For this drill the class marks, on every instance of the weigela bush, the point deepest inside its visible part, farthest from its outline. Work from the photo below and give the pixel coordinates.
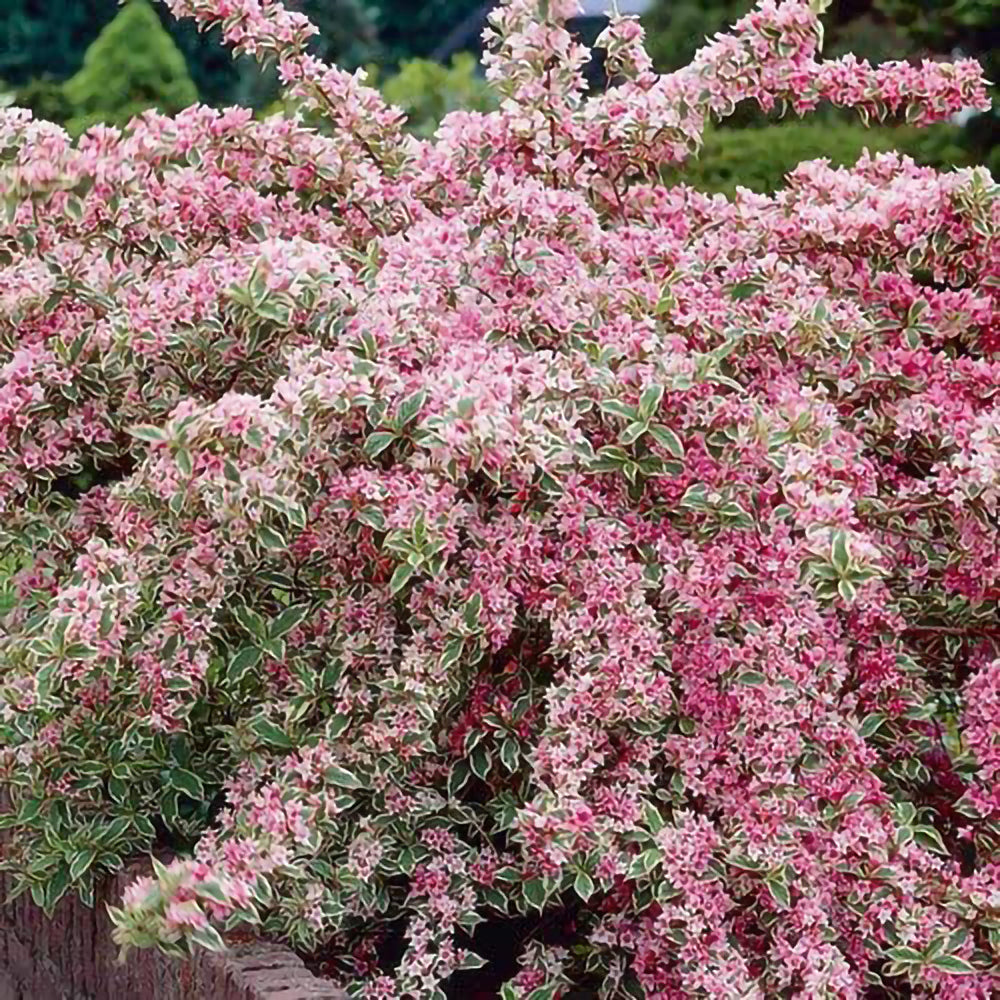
(488, 542)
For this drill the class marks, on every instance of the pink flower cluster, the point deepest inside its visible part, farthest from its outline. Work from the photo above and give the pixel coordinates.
(478, 540)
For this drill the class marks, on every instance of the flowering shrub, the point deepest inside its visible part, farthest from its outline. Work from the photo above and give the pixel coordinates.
(489, 542)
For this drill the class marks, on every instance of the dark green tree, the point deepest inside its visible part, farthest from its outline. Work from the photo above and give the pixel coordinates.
(48, 37)
(131, 66)
(676, 30)
(410, 29)
(348, 30)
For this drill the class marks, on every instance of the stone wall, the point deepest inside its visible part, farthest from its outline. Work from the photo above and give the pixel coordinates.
(71, 956)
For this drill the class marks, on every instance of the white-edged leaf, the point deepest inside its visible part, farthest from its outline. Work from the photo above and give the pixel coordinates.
(147, 432)
(953, 965)
(667, 439)
(343, 778)
(287, 620)
(649, 401)
(376, 443)
(401, 577)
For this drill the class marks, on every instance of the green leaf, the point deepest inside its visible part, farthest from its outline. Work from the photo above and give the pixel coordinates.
(744, 289)
(632, 433)
(407, 861)
(583, 886)
(779, 892)
(30, 810)
(343, 778)
(250, 620)
(653, 818)
(667, 439)
(510, 751)
(695, 497)
(620, 409)
(928, 837)
(287, 620)
(337, 725)
(745, 862)
(80, 862)
(649, 401)
(211, 889)
(470, 613)
(74, 208)
(331, 675)
(147, 432)
(452, 651)
(208, 937)
(115, 830)
(480, 761)
(953, 965)
(187, 782)
(56, 888)
(242, 663)
(534, 893)
(184, 461)
(401, 577)
(373, 517)
(840, 554)
(410, 407)
(905, 956)
(271, 734)
(274, 648)
(459, 777)
(270, 538)
(378, 442)
(471, 961)
(871, 724)
(610, 459)
(752, 678)
(644, 863)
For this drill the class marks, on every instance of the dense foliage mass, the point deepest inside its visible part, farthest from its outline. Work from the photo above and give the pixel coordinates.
(492, 542)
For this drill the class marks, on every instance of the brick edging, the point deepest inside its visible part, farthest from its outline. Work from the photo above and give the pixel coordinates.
(71, 956)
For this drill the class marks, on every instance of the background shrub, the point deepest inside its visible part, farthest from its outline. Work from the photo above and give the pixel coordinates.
(427, 91)
(46, 98)
(133, 65)
(760, 158)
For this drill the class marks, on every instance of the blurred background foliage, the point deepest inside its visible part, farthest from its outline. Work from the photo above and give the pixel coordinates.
(78, 62)
(133, 64)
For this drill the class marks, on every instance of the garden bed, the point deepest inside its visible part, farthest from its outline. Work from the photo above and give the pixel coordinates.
(71, 956)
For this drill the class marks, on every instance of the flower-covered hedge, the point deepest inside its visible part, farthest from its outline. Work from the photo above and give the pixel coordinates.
(488, 542)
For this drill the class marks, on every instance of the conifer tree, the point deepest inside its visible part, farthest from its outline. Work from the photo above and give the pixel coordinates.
(131, 66)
